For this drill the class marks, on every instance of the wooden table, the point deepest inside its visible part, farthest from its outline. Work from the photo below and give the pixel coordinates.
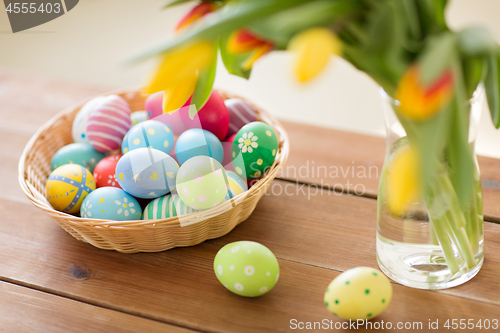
(319, 228)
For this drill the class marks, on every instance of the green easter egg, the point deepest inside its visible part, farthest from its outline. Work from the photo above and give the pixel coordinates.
(169, 205)
(247, 268)
(254, 149)
(77, 153)
(359, 293)
(201, 182)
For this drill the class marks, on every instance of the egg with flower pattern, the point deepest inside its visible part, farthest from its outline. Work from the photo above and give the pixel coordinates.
(246, 268)
(67, 186)
(254, 150)
(104, 172)
(110, 203)
(146, 173)
(359, 293)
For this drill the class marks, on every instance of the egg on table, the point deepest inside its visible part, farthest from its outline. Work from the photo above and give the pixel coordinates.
(67, 186)
(77, 153)
(138, 117)
(236, 184)
(146, 173)
(202, 182)
(212, 117)
(255, 149)
(359, 293)
(110, 203)
(246, 268)
(169, 205)
(108, 123)
(198, 142)
(240, 113)
(79, 129)
(104, 172)
(149, 134)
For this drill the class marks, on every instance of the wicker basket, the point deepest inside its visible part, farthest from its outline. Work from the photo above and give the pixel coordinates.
(138, 236)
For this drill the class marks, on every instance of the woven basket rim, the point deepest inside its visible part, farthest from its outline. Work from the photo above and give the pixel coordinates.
(28, 189)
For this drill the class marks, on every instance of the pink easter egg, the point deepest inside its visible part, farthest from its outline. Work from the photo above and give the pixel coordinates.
(109, 123)
(240, 114)
(227, 146)
(154, 107)
(212, 117)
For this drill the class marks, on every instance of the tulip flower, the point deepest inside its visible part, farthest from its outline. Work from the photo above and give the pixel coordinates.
(420, 102)
(313, 48)
(243, 41)
(403, 181)
(178, 72)
(195, 14)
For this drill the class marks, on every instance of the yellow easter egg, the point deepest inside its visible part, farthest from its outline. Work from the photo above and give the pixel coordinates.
(67, 186)
(359, 293)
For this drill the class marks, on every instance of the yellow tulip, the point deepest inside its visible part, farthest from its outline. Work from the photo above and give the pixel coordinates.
(403, 184)
(313, 49)
(181, 64)
(175, 97)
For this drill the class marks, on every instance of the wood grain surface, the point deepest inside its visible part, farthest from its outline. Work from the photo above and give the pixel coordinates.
(315, 233)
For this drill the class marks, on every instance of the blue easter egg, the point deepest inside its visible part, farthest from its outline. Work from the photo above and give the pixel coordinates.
(198, 142)
(146, 173)
(77, 153)
(236, 184)
(149, 134)
(110, 203)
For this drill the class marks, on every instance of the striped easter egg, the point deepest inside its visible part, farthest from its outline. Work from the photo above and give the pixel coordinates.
(236, 184)
(108, 124)
(240, 114)
(164, 207)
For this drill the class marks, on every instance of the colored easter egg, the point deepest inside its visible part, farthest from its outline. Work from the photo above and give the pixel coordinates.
(169, 205)
(110, 203)
(104, 172)
(255, 149)
(77, 153)
(198, 142)
(149, 134)
(212, 117)
(236, 184)
(79, 129)
(201, 182)
(154, 108)
(67, 186)
(146, 173)
(240, 113)
(108, 123)
(227, 146)
(138, 117)
(359, 293)
(247, 268)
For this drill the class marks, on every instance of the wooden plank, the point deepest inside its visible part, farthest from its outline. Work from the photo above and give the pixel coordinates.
(352, 163)
(27, 310)
(313, 241)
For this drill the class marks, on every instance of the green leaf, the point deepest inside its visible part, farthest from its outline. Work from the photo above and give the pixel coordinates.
(410, 13)
(474, 72)
(175, 3)
(231, 17)
(204, 86)
(233, 62)
(476, 41)
(436, 56)
(492, 88)
(439, 10)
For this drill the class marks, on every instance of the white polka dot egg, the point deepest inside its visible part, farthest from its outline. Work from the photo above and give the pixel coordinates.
(247, 268)
(359, 293)
(110, 203)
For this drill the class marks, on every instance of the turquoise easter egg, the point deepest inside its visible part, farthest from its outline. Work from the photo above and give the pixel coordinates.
(164, 207)
(202, 182)
(67, 186)
(77, 153)
(146, 173)
(254, 149)
(247, 268)
(149, 134)
(198, 142)
(110, 203)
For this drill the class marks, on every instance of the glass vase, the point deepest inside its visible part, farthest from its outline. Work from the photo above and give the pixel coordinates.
(438, 243)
